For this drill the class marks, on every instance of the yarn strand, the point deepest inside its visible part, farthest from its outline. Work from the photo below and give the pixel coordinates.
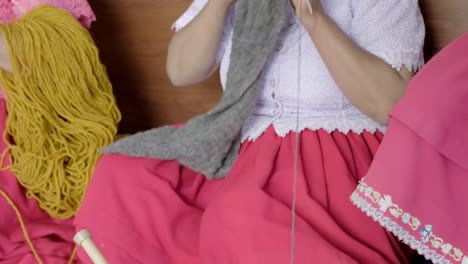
(23, 226)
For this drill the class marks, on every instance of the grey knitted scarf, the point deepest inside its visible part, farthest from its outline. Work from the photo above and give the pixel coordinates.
(210, 143)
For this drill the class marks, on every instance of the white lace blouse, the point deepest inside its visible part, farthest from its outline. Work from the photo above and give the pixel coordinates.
(393, 30)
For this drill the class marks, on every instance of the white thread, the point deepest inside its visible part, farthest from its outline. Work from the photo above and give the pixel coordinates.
(296, 147)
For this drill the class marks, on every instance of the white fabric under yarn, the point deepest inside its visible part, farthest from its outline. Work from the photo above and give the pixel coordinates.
(393, 30)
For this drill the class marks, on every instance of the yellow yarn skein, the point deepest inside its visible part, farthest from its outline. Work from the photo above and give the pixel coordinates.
(61, 108)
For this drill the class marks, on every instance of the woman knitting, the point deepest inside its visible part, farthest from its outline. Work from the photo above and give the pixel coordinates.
(325, 91)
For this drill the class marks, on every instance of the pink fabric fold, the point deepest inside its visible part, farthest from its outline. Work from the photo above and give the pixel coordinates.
(417, 185)
(435, 105)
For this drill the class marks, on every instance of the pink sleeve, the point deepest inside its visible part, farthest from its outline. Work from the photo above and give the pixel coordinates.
(80, 9)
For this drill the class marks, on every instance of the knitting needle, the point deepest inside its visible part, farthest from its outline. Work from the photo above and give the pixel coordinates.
(310, 7)
(84, 240)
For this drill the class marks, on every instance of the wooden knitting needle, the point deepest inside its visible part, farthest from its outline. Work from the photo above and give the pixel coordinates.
(84, 240)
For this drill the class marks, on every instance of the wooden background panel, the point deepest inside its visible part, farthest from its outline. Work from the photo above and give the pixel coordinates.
(445, 21)
(133, 36)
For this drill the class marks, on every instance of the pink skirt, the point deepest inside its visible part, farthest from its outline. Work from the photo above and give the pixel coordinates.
(142, 210)
(52, 238)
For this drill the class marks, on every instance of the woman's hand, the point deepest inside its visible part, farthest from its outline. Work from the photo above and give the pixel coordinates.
(308, 11)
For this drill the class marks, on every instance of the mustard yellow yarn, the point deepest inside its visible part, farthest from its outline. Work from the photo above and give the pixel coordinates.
(23, 226)
(61, 109)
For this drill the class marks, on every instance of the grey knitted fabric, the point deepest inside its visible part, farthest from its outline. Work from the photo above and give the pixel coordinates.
(210, 143)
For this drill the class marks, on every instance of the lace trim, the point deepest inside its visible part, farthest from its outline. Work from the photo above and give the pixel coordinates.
(180, 23)
(412, 59)
(193, 10)
(403, 225)
(255, 127)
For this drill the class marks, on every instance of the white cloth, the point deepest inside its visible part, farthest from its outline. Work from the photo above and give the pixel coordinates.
(393, 30)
